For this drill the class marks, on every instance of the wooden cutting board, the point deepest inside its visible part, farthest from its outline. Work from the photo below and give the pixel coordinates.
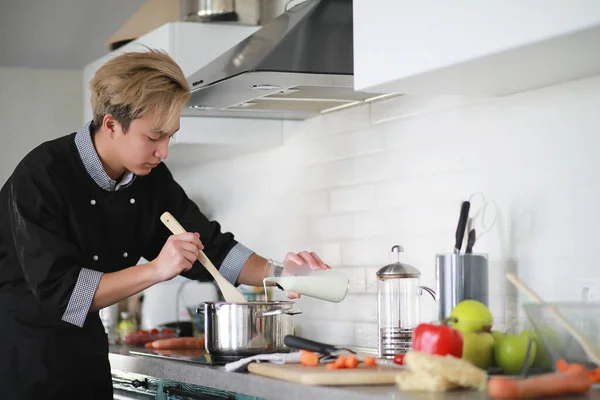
(320, 376)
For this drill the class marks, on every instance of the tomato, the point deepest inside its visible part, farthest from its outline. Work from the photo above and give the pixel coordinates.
(399, 359)
(142, 332)
(154, 331)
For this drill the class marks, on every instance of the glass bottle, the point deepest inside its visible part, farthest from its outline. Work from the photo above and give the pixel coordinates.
(127, 325)
(324, 284)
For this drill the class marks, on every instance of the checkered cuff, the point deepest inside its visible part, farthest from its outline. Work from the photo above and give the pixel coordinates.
(81, 298)
(234, 262)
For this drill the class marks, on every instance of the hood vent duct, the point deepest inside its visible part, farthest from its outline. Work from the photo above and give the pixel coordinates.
(296, 66)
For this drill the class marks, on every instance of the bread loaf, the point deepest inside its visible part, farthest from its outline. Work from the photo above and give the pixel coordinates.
(454, 370)
(423, 382)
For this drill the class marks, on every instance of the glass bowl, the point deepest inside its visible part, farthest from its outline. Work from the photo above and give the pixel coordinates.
(555, 341)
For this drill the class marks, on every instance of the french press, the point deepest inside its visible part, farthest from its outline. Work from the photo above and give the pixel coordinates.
(398, 305)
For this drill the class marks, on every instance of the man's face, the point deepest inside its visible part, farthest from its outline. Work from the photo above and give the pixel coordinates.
(142, 148)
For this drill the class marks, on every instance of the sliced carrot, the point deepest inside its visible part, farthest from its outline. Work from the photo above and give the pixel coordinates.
(340, 362)
(369, 361)
(351, 362)
(574, 381)
(308, 358)
(331, 366)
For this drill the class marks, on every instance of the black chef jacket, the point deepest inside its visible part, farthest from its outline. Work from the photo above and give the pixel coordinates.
(54, 221)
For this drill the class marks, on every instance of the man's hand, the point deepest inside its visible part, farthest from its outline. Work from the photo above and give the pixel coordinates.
(177, 255)
(305, 257)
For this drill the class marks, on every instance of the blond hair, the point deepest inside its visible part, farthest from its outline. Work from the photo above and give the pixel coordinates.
(134, 84)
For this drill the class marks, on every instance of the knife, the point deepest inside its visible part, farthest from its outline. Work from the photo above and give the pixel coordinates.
(300, 343)
(330, 351)
(462, 225)
(470, 242)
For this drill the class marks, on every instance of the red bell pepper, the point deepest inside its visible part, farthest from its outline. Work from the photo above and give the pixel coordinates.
(437, 339)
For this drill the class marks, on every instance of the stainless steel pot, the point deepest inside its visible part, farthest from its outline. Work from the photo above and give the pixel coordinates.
(247, 12)
(237, 330)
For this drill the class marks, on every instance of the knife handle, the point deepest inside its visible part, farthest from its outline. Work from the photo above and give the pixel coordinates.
(297, 342)
(462, 225)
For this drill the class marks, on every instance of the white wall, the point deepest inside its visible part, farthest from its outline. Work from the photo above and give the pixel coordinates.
(35, 105)
(351, 184)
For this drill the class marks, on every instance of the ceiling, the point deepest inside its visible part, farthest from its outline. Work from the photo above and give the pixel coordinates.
(59, 33)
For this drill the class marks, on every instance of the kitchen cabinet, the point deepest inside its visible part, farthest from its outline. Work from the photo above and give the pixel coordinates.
(193, 45)
(473, 47)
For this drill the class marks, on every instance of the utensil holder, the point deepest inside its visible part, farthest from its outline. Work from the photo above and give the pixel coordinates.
(460, 277)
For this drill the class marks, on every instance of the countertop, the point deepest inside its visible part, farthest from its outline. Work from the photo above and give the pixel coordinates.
(203, 374)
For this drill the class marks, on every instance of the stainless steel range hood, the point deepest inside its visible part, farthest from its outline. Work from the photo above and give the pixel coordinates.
(297, 66)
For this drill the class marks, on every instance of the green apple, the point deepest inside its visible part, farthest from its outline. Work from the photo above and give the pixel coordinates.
(497, 335)
(511, 350)
(471, 316)
(478, 348)
(552, 339)
(541, 358)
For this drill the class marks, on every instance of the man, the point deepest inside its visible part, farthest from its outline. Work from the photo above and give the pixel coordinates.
(77, 214)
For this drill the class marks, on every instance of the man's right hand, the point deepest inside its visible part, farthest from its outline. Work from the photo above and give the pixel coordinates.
(177, 255)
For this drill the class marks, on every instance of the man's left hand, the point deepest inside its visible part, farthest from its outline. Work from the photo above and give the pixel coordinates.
(305, 257)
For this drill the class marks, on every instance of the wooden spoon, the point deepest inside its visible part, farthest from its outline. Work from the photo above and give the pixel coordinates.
(590, 349)
(230, 292)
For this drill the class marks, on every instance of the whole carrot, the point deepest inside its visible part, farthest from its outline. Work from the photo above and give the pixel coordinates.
(572, 381)
(179, 343)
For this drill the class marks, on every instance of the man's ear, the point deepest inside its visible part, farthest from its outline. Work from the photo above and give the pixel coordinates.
(110, 125)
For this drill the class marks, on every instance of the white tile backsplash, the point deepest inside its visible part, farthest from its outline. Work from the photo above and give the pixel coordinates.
(357, 279)
(331, 253)
(405, 106)
(355, 198)
(365, 252)
(325, 331)
(316, 202)
(365, 334)
(333, 227)
(371, 279)
(351, 184)
(377, 167)
(368, 224)
(347, 120)
(328, 175)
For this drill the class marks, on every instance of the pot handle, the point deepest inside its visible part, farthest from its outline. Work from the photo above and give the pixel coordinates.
(291, 311)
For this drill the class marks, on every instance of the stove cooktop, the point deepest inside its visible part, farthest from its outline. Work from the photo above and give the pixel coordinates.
(190, 355)
(197, 356)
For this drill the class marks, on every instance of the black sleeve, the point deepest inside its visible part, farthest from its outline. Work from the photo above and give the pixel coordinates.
(34, 230)
(217, 244)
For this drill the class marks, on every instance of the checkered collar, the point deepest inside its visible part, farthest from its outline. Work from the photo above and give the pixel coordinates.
(93, 165)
